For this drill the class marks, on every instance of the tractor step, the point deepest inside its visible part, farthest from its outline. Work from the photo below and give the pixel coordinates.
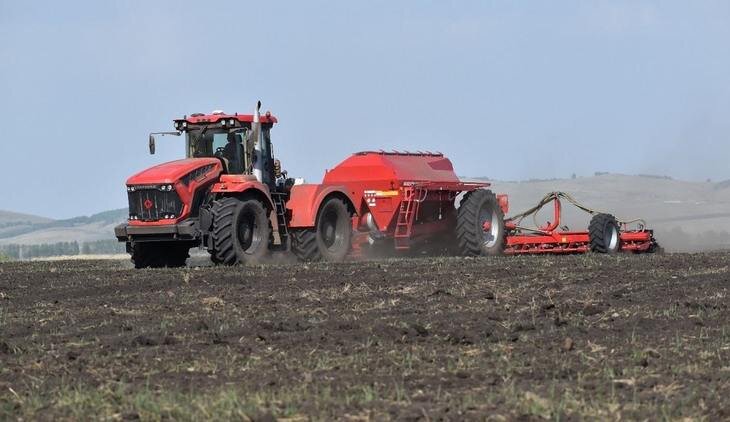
(282, 229)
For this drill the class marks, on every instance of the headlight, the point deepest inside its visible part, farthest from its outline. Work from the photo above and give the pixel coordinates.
(231, 122)
(131, 188)
(223, 122)
(185, 124)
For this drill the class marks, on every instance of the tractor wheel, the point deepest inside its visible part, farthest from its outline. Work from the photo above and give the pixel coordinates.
(213, 258)
(177, 254)
(304, 245)
(480, 224)
(334, 230)
(603, 232)
(143, 255)
(240, 231)
(159, 254)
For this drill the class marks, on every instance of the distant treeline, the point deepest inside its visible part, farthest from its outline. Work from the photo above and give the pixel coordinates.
(15, 223)
(106, 246)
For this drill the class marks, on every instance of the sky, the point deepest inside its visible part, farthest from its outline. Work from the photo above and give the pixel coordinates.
(508, 90)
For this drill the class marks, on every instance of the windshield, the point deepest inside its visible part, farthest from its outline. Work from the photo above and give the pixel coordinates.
(220, 143)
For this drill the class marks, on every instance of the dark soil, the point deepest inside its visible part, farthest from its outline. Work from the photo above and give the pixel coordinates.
(594, 336)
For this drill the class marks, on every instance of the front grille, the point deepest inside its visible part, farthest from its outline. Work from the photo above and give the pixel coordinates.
(152, 204)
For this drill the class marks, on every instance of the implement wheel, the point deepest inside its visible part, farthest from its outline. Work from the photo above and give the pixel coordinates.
(333, 230)
(304, 245)
(604, 234)
(241, 231)
(480, 224)
(159, 254)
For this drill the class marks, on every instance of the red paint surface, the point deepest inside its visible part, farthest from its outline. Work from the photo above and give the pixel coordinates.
(215, 118)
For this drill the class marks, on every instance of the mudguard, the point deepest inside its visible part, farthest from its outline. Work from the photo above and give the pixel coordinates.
(236, 184)
(305, 200)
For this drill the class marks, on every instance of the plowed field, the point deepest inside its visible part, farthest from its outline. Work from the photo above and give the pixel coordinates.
(629, 337)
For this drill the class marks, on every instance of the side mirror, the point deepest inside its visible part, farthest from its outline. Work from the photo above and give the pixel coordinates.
(152, 144)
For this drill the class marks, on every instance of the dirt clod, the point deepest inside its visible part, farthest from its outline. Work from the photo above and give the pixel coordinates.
(144, 340)
(567, 344)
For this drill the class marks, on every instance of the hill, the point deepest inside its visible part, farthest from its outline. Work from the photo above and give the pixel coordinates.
(28, 230)
(7, 217)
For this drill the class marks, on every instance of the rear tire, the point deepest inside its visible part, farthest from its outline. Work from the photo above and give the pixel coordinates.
(304, 245)
(213, 258)
(334, 230)
(604, 234)
(477, 208)
(159, 254)
(241, 231)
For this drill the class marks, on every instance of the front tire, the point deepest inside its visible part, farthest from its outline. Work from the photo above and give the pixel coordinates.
(159, 254)
(241, 231)
(480, 224)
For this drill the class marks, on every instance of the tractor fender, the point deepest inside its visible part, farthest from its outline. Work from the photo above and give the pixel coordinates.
(305, 200)
(240, 185)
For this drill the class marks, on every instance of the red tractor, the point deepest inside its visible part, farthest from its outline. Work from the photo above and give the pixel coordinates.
(230, 196)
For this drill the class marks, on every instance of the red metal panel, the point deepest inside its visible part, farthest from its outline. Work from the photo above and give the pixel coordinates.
(170, 172)
(394, 168)
(214, 118)
(305, 200)
(571, 242)
(236, 184)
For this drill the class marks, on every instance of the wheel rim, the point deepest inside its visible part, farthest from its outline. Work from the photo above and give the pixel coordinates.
(248, 233)
(611, 234)
(330, 231)
(489, 222)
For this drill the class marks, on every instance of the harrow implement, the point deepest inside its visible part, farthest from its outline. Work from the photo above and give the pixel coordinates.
(605, 234)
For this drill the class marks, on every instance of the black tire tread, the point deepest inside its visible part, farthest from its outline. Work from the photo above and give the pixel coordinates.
(225, 247)
(468, 234)
(597, 232)
(304, 245)
(343, 210)
(223, 211)
(159, 254)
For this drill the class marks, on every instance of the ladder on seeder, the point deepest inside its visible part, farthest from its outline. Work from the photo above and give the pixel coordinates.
(412, 198)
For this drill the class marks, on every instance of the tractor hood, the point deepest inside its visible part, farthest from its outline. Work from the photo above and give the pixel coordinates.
(170, 172)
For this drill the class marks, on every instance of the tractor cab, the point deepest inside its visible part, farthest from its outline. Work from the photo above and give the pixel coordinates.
(234, 139)
(243, 146)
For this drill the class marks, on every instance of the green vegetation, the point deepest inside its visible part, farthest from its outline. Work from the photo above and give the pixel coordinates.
(106, 246)
(42, 250)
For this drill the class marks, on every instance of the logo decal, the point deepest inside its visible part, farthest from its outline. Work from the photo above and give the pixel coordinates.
(147, 204)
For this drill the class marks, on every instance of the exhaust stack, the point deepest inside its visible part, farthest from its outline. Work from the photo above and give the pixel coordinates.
(258, 159)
